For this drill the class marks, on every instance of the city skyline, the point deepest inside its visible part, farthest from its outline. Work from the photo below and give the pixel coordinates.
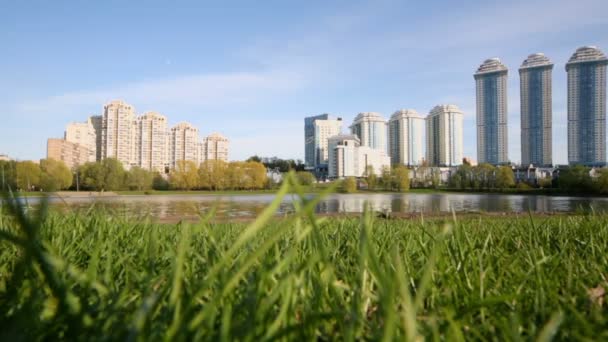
(142, 140)
(253, 86)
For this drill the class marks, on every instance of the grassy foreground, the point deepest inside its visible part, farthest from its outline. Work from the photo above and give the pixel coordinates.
(98, 277)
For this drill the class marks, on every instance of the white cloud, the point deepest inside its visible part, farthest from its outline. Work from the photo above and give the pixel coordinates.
(205, 91)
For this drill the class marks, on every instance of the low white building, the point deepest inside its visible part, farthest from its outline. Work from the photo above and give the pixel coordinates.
(347, 158)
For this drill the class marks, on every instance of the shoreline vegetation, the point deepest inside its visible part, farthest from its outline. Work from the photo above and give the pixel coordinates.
(302, 277)
(307, 190)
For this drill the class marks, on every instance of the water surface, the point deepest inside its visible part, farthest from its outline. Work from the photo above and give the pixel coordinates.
(244, 206)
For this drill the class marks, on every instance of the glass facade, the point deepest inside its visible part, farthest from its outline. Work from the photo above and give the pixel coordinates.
(535, 116)
(490, 104)
(309, 138)
(587, 113)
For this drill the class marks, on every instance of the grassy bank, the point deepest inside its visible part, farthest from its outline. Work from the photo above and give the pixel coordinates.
(99, 277)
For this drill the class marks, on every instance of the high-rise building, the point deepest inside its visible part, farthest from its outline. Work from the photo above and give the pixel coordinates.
(587, 107)
(184, 143)
(151, 142)
(405, 137)
(97, 123)
(444, 136)
(309, 139)
(118, 132)
(83, 133)
(536, 110)
(370, 127)
(323, 130)
(214, 147)
(70, 153)
(347, 158)
(491, 84)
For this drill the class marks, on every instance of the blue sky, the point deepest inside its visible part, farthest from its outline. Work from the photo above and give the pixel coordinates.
(254, 69)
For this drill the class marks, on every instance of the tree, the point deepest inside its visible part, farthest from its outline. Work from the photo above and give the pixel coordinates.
(602, 181)
(401, 178)
(105, 175)
(139, 179)
(257, 172)
(55, 175)
(505, 178)
(160, 183)
(305, 177)
(27, 175)
(576, 179)
(185, 175)
(485, 175)
(370, 177)
(8, 175)
(349, 185)
(385, 177)
(114, 174)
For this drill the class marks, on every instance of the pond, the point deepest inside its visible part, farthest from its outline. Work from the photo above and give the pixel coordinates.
(175, 207)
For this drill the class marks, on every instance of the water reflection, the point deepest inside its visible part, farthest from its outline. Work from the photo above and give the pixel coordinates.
(194, 206)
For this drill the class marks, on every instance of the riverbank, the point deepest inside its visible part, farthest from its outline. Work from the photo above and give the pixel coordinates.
(307, 190)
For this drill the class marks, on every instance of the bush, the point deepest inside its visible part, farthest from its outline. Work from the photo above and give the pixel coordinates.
(349, 185)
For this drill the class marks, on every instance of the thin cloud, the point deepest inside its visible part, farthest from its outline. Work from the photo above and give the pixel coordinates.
(205, 91)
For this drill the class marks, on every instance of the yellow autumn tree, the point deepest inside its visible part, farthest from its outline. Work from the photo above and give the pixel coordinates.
(185, 175)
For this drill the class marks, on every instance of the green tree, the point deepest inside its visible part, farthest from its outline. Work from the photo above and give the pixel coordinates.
(160, 183)
(485, 176)
(139, 179)
(461, 179)
(185, 175)
(55, 175)
(27, 175)
(370, 177)
(386, 178)
(305, 177)
(576, 179)
(106, 175)
(505, 177)
(602, 181)
(349, 185)
(8, 175)
(401, 178)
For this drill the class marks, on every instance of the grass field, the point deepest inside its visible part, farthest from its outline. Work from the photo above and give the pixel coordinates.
(98, 277)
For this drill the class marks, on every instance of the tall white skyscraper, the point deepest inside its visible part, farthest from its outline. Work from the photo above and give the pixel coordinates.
(405, 137)
(370, 127)
(492, 139)
(536, 110)
(83, 133)
(184, 143)
(118, 128)
(587, 107)
(151, 142)
(214, 147)
(317, 129)
(444, 136)
(324, 129)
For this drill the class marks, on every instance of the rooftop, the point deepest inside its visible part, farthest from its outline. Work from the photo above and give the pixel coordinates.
(491, 65)
(536, 60)
(405, 113)
(369, 116)
(586, 54)
(445, 108)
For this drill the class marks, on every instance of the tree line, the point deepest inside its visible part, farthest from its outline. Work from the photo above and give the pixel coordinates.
(48, 175)
(110, 175)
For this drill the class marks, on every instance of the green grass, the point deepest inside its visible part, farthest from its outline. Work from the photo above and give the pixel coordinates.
(100, 277)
